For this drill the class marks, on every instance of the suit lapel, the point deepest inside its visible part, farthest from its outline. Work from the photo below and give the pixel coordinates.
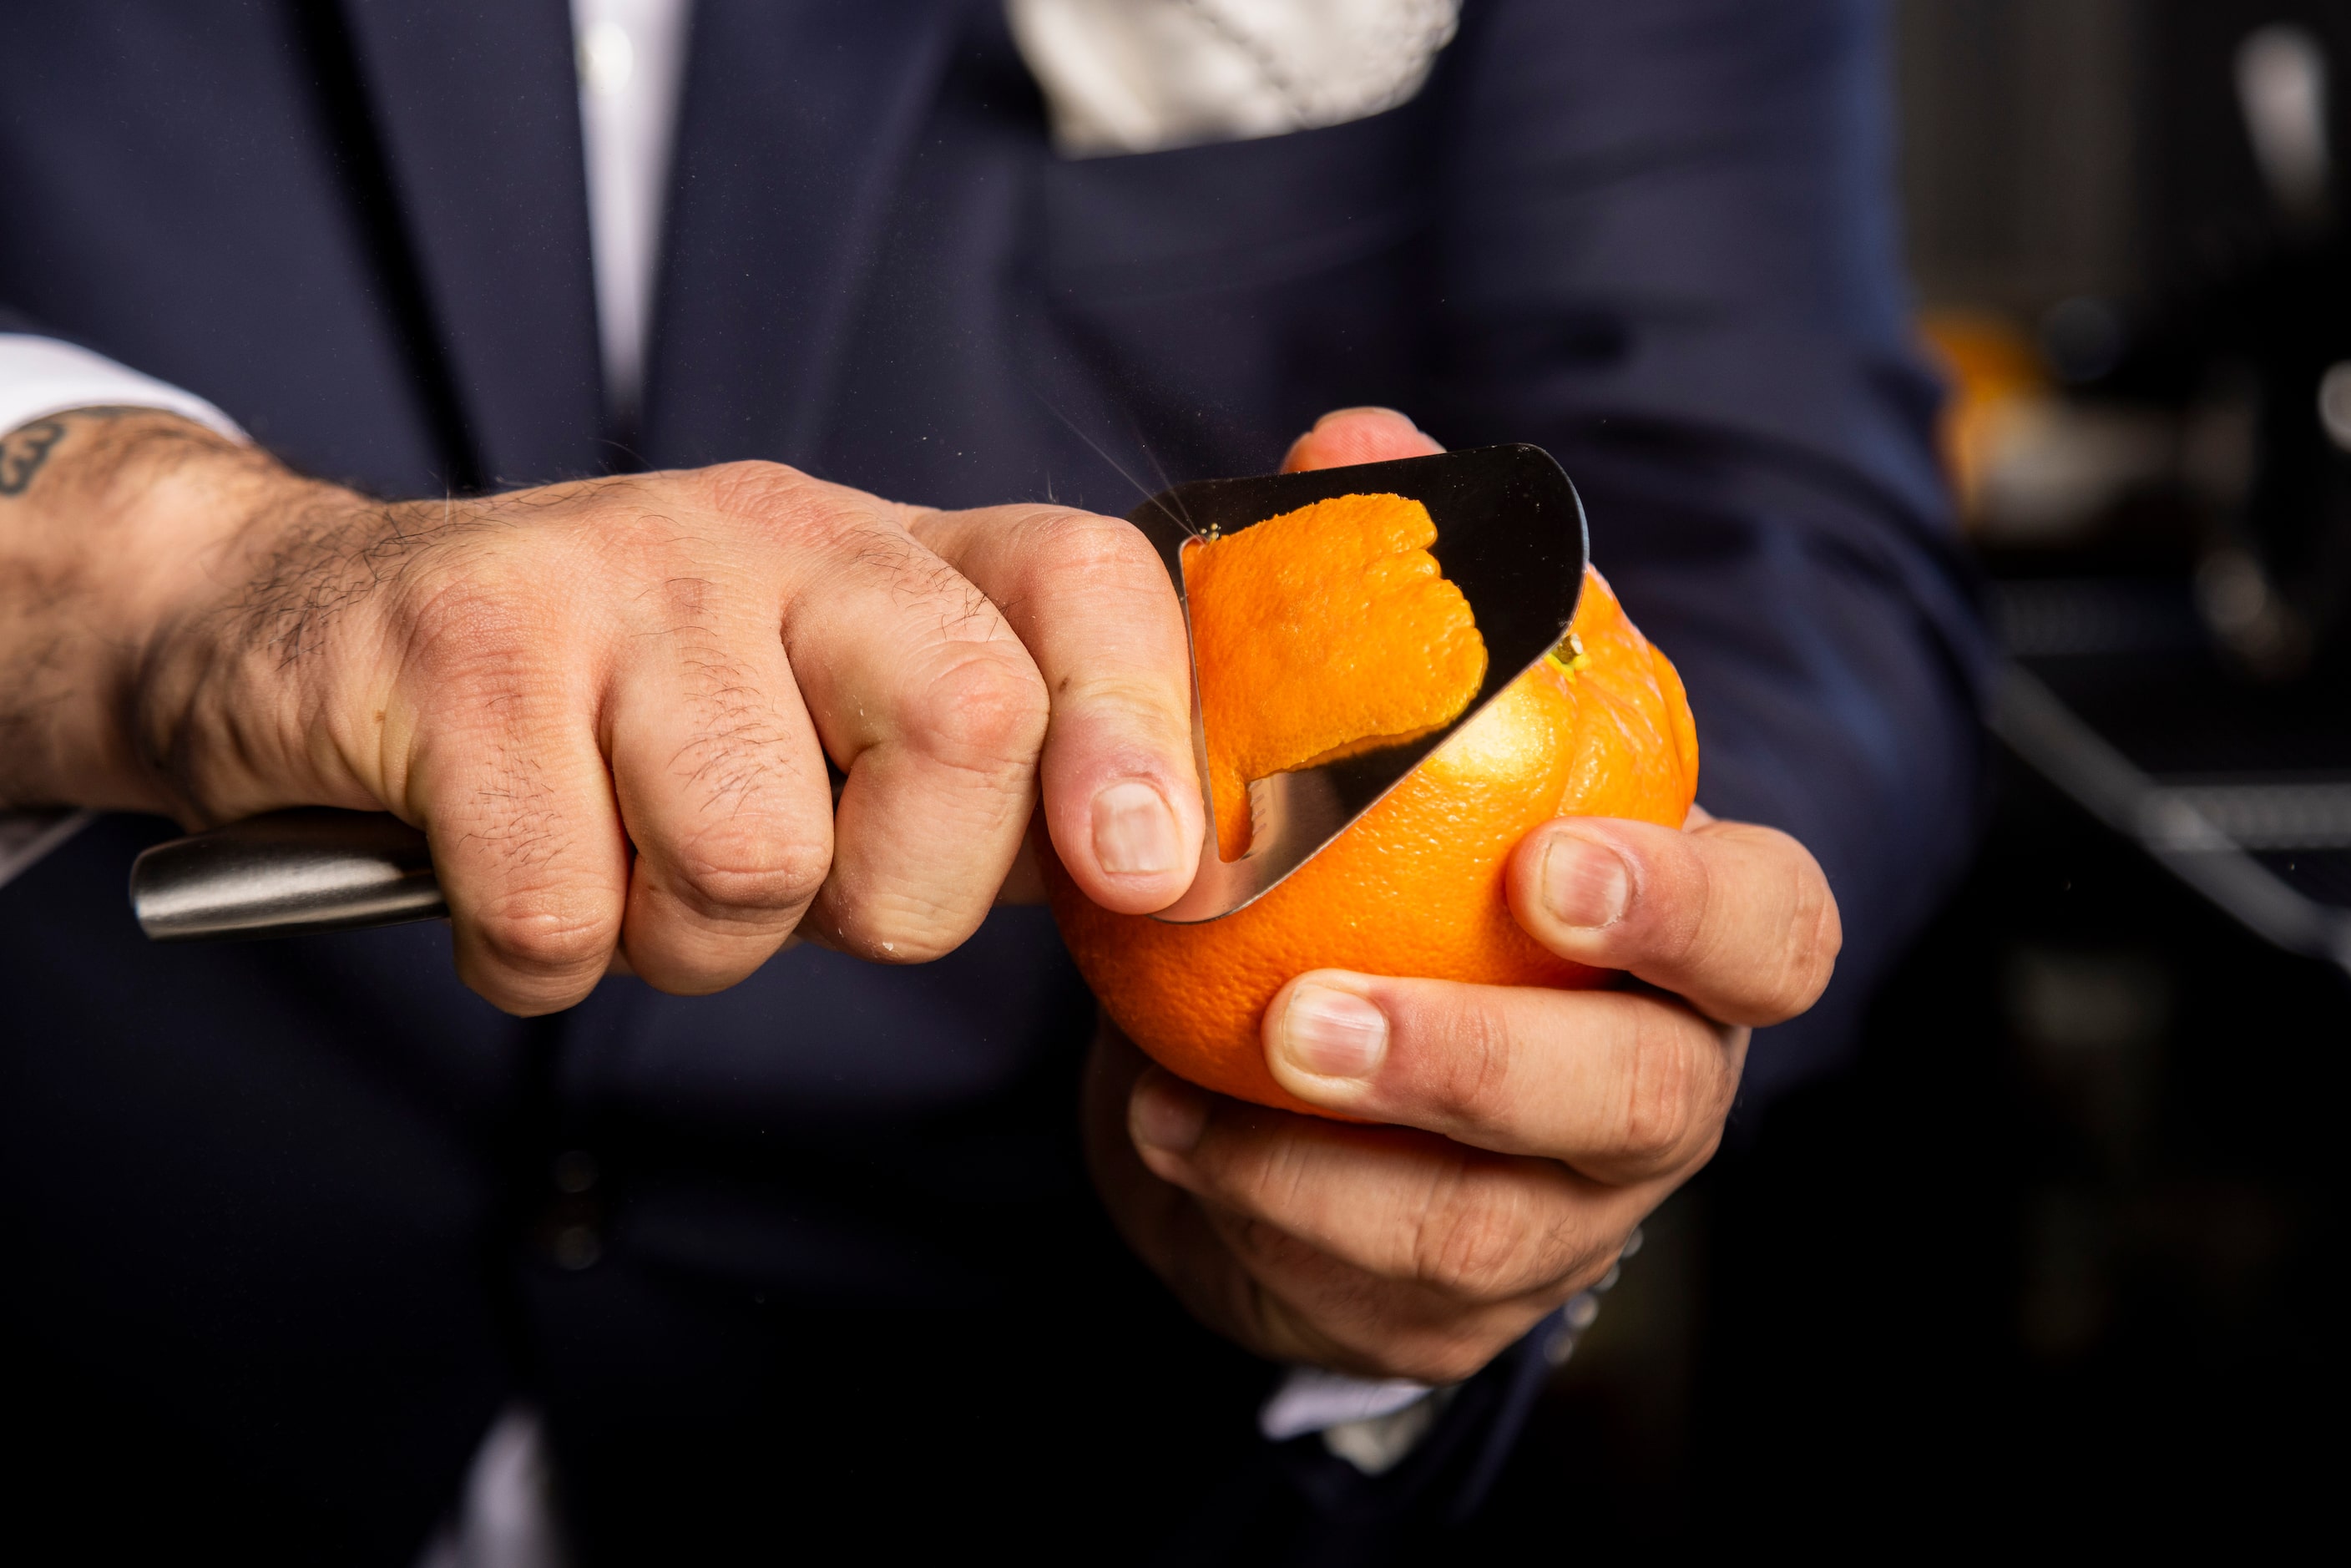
(477, 110)
(795, 122)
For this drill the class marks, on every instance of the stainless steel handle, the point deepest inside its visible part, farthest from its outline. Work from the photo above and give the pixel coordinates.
(284, 874)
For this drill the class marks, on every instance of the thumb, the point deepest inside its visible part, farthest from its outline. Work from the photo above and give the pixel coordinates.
(1350, 435)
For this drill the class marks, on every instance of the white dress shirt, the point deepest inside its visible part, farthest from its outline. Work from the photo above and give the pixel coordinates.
(1119, 76)
(630, 55)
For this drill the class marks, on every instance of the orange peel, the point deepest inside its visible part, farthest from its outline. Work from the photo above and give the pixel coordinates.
(1321, 634)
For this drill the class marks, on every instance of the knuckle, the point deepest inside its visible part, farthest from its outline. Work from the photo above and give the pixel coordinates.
(1257, 1178)
(470, 623)
(1479, 1238)
(539, 936)
(1668, 1094)
(1140, 700)
(753, 487)
(1801, 962)
(485, 665)
(1819, 936)
(741, 869)
(1690, 909)
(986, 711)
(1472, 1077)
(1485, 1259)
(1096, 547)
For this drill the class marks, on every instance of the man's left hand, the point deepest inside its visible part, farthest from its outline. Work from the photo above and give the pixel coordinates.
(1524, 1131)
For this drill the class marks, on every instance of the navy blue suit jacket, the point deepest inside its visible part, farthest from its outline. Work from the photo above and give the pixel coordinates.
(285, 1208)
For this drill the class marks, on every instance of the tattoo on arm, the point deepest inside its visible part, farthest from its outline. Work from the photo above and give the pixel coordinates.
(23, 450)
(26, 449)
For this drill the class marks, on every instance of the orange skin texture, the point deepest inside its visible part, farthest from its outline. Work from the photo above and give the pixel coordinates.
(1277, 689)
(1414, 887)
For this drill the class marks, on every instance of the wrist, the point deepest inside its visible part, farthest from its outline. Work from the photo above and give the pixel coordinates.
(165, 501)
(117, 522)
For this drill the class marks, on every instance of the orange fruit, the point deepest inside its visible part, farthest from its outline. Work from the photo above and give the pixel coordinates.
(1330, 634)
(1996, 378)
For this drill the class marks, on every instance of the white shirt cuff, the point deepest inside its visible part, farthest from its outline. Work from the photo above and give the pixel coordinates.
(41, 376)
(1313, 1400)
(1373, 1423)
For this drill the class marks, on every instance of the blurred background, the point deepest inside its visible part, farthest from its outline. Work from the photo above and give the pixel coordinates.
(2052, 1259)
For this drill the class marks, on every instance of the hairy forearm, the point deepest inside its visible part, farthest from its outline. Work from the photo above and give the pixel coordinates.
(109, 517)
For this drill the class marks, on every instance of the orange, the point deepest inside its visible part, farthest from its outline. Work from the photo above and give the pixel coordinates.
(1600, 727)
(1996, 380)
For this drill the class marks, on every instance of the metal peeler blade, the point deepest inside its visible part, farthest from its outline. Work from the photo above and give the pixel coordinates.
(1510, 534)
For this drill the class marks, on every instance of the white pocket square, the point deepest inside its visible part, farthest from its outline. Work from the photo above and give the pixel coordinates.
(1140, 75)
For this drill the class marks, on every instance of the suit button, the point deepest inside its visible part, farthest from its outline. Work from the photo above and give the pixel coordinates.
(572, 1230)
(577, 1247)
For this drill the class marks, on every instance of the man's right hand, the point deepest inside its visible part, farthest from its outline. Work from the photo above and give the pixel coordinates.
(610, 704)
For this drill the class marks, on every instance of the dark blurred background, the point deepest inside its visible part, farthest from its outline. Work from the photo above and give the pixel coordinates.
(2052, 1259)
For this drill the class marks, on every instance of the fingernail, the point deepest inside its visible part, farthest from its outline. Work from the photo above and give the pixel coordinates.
(1167, 1114)
(1135, 832)
(1331, 1034)
(1584, 884)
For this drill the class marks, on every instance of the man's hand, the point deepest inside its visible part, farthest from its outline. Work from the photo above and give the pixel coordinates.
(610, 704)
(1527, 1130)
